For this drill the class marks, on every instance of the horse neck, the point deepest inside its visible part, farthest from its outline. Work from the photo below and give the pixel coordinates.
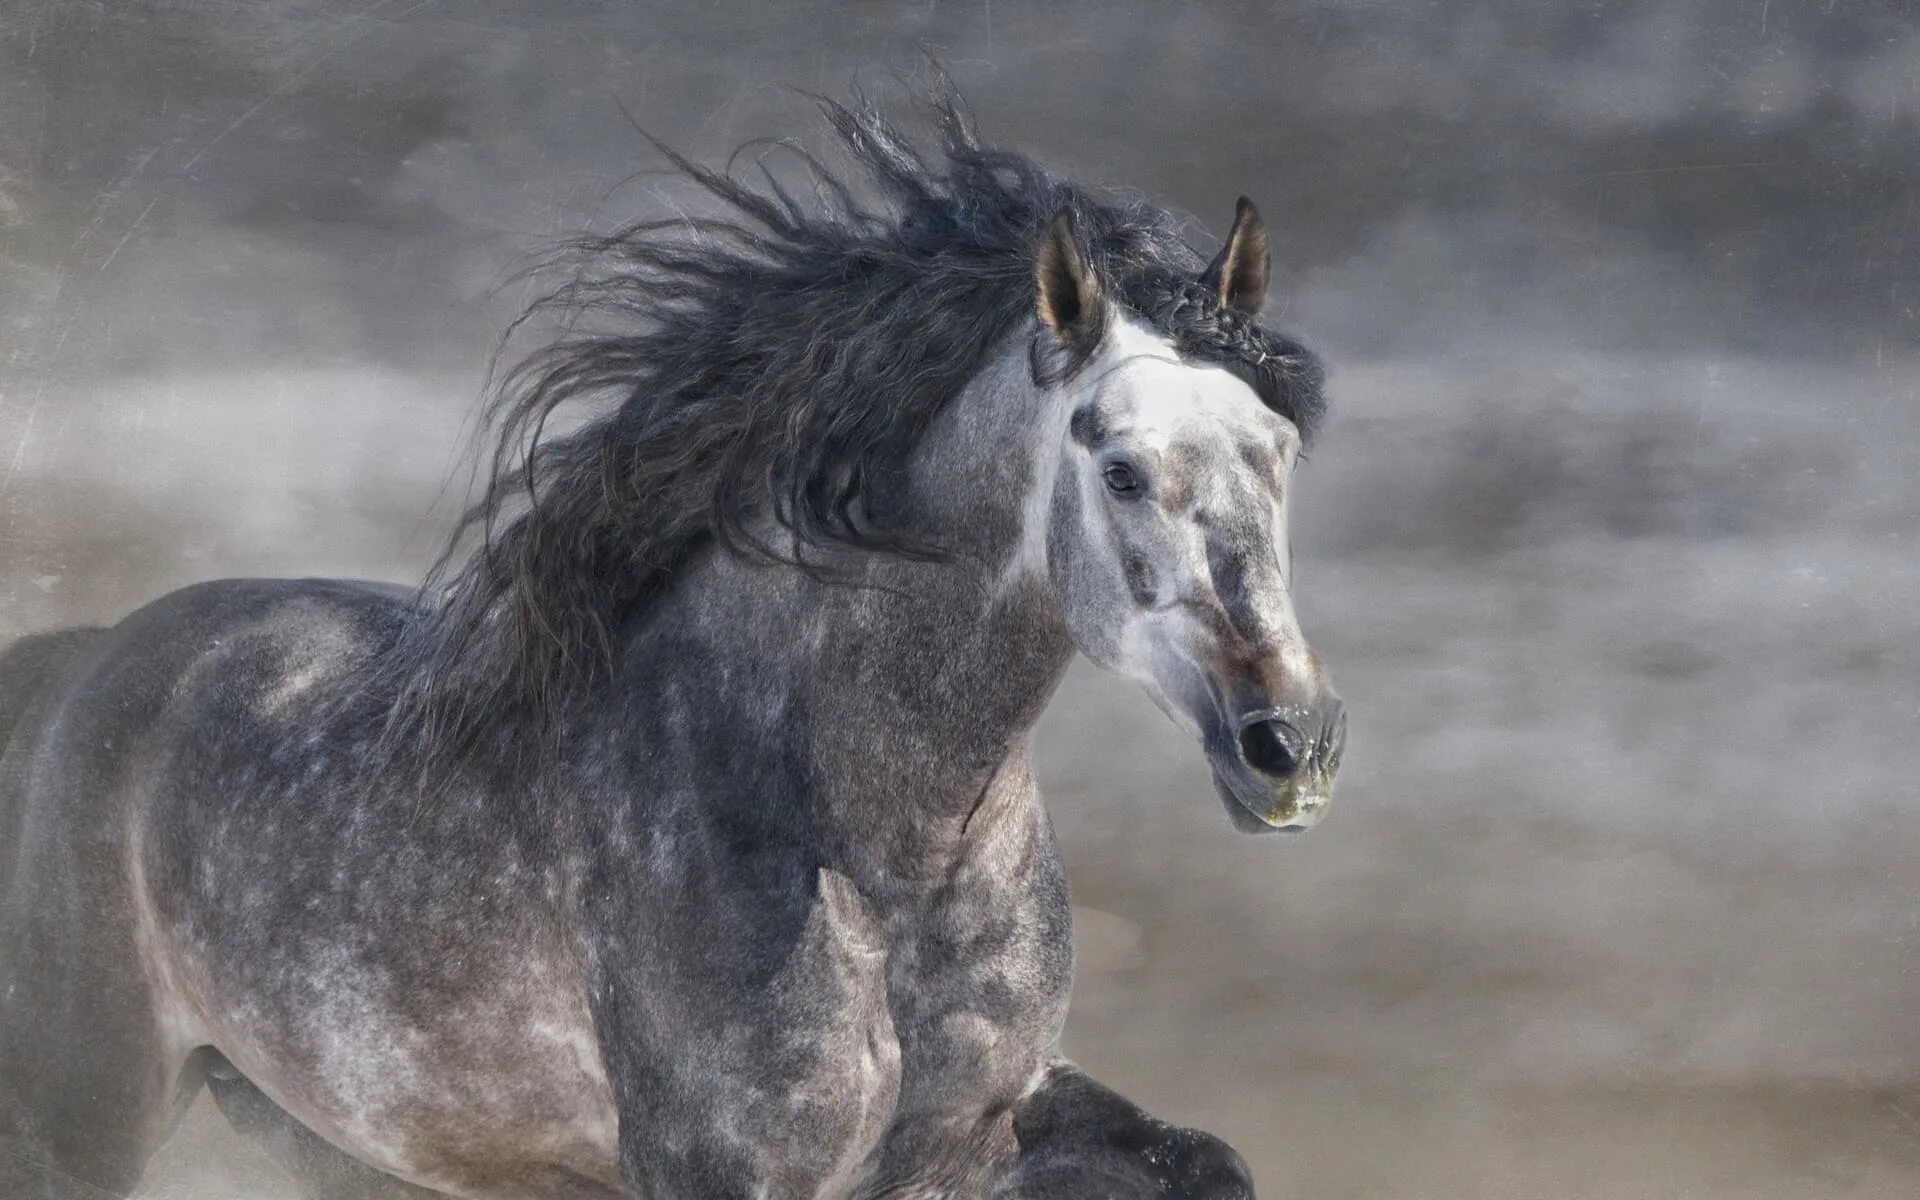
(900, 699)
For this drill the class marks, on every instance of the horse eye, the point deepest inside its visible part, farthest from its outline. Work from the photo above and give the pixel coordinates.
(1121, 480)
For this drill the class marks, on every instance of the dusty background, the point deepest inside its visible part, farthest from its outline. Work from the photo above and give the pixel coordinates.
(1611, 544)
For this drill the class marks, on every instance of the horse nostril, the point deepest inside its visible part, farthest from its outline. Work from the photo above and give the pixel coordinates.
(1270, 747)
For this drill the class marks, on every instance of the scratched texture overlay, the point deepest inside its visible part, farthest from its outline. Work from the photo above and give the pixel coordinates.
(1611, 544)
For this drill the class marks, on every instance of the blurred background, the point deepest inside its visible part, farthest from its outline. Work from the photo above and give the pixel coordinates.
(1610, 544)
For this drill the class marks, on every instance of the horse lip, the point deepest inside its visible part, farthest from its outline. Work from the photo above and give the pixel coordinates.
(1249, 819)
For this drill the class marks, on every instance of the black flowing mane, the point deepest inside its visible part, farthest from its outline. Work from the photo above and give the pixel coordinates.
(779, 359)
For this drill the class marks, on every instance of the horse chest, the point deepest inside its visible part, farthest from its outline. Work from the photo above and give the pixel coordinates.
(879, 1031)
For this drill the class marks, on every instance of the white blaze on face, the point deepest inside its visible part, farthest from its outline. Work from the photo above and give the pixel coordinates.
(1212, 458)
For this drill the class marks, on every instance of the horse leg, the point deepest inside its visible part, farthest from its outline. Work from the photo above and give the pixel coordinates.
(90, 1083)
(1080, 1139)
(89, 1086)
(323, 1171)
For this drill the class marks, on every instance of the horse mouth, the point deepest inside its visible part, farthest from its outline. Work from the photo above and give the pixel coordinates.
(1291, 808)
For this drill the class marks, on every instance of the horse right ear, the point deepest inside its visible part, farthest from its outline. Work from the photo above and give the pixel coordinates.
(1238, 274)
(1066, 296)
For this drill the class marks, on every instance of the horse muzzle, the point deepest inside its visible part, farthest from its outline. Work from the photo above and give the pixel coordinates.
(1275, 771)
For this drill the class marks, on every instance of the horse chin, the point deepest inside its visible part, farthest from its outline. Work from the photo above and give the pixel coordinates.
(1291, 809)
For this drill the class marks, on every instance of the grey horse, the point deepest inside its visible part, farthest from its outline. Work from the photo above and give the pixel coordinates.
(679, 837)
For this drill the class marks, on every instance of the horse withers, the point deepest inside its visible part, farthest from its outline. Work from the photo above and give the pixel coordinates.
(681, 839)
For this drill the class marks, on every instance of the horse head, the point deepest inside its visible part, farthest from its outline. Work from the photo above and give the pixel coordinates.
(1165, 527)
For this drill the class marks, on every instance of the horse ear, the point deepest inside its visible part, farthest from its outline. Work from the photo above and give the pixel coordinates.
(1066, 295)
(1238, 274)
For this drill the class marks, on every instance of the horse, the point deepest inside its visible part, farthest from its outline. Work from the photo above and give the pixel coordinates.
(679, 836)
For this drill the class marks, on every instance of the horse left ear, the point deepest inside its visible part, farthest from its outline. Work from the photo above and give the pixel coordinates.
(1066, 296)
(1238, 274)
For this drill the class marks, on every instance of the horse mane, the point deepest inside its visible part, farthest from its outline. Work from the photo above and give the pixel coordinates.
(780, 358)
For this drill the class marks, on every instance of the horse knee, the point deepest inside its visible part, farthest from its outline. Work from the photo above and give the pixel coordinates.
(1079, 1138)
(1199, 1166)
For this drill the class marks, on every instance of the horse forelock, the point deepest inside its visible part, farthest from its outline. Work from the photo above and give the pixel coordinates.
(773, 366)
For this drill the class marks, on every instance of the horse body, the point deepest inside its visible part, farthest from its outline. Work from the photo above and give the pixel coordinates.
(783, 917)
(853, 835)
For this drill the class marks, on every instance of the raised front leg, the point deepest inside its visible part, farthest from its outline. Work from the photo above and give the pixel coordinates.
(1081, 1140)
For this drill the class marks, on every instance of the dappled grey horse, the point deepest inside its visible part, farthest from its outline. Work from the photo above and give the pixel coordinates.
(681, 837)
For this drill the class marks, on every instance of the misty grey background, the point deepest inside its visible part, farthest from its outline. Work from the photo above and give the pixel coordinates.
(1610, 544)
